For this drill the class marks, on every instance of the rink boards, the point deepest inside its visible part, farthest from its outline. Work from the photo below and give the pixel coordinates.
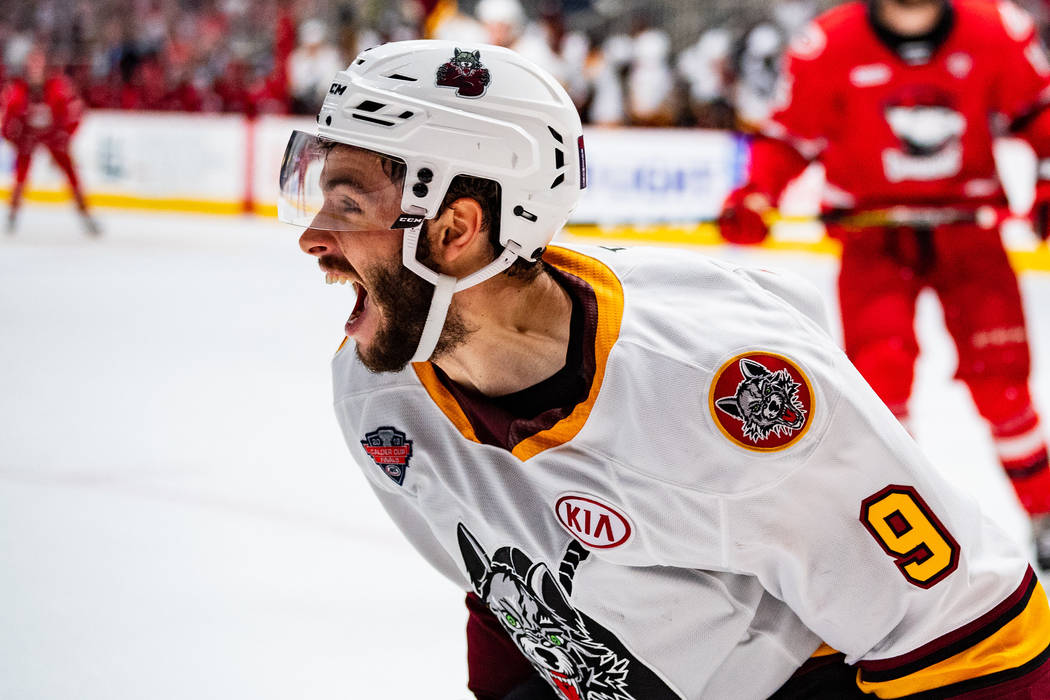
(644, 185)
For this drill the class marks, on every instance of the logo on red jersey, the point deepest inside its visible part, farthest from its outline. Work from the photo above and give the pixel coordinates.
(390, 449)
(592, 522)
(870, 74)
(761, 401)
(959, 64)
(929, 127)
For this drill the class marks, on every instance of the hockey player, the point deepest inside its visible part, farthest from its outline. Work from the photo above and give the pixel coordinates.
(901, 100)
(656, 475)
(41, 110)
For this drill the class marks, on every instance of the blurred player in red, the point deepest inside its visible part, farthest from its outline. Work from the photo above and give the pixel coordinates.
(41, 110)
(901, 100)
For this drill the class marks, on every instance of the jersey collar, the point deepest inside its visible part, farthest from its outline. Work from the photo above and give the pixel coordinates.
(914, 50)
(608, 293)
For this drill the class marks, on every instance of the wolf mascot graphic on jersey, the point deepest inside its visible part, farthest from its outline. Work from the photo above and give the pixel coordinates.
(465, 72)
(766, 402)
(577, 656)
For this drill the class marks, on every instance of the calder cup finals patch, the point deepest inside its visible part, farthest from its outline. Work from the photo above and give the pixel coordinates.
(761, 401)
(390, 449)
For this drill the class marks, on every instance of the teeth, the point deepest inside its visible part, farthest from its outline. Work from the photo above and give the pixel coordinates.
(334, 278)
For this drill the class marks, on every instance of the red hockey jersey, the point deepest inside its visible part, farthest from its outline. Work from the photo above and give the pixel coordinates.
(893, 132)
(52, 111)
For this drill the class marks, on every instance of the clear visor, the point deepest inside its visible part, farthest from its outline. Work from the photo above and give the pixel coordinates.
(336, 187)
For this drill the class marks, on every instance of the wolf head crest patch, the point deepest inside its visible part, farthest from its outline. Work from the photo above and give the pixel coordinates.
(390, 449)
(761, 401)
(465, 73)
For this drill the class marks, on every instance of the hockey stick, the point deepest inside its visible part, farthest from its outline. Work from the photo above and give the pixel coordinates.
(985, 217)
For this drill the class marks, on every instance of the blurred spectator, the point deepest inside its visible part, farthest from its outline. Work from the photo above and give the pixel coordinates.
(705, 66)
(447, 21)
(757, 70)
(575, 52)
(650, 82)
(608, 105)
(311, 67)
(507, 25)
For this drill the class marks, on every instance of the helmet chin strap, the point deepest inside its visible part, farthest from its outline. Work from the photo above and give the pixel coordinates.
(444, 287)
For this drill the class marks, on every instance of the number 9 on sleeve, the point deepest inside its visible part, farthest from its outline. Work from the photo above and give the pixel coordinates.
(907, 530)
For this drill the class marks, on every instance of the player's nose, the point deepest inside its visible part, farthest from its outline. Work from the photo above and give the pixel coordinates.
(316, 242)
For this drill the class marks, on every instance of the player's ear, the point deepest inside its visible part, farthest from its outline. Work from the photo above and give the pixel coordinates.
(460, 232)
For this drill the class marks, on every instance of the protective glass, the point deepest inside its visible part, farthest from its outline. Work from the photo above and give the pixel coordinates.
(336, 187)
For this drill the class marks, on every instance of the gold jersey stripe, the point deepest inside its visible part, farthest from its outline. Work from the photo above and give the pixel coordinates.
(609, 296)
(1015, 644)
(608, 293)
(824, 650)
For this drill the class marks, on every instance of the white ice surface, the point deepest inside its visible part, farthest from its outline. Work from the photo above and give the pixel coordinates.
(179, 518)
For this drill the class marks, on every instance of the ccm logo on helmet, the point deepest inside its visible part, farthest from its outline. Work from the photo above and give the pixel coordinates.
(592, 522)
(336, 89)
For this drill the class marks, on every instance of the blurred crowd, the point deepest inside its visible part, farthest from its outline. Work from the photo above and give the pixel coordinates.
(623, 62)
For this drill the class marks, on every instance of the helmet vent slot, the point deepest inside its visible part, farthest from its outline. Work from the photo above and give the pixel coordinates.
(555, 134)
(405, 115)
(559, 158)
(398, 76)
(370, 106)
(558, 180)
(373, 120)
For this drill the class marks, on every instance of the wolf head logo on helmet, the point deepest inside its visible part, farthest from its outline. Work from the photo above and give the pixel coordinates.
(578, 657)
(464, 72)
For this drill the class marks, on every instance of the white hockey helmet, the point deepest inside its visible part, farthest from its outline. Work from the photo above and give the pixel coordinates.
(443, 110)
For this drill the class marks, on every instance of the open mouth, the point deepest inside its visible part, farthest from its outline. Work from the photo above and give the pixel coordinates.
(566, 685)
(359, 304)
(361, 294)
(789, 415)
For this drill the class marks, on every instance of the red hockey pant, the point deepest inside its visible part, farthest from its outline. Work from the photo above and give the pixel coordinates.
(62, 158)
(882, 273)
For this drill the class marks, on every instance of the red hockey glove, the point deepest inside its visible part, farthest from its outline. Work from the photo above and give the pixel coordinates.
(742, 220)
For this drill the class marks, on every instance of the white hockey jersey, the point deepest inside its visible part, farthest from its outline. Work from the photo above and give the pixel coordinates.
(730, 496)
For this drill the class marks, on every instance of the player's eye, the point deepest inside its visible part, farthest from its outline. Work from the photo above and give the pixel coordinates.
(512, 621)
(555, 640)
(348, 206)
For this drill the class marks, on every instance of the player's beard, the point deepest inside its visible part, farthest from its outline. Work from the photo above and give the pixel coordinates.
(404, 300)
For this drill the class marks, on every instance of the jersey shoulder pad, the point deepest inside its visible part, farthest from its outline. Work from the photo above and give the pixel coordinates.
(832, 28)
(743, 354)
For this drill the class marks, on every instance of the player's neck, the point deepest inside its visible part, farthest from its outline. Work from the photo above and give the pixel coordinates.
(520, 335)
(909, 19)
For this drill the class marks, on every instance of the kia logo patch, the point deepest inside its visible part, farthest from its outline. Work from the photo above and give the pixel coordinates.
(595, 524)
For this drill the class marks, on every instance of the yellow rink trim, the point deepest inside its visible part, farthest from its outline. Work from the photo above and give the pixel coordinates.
(123, 201)
(706, 234)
